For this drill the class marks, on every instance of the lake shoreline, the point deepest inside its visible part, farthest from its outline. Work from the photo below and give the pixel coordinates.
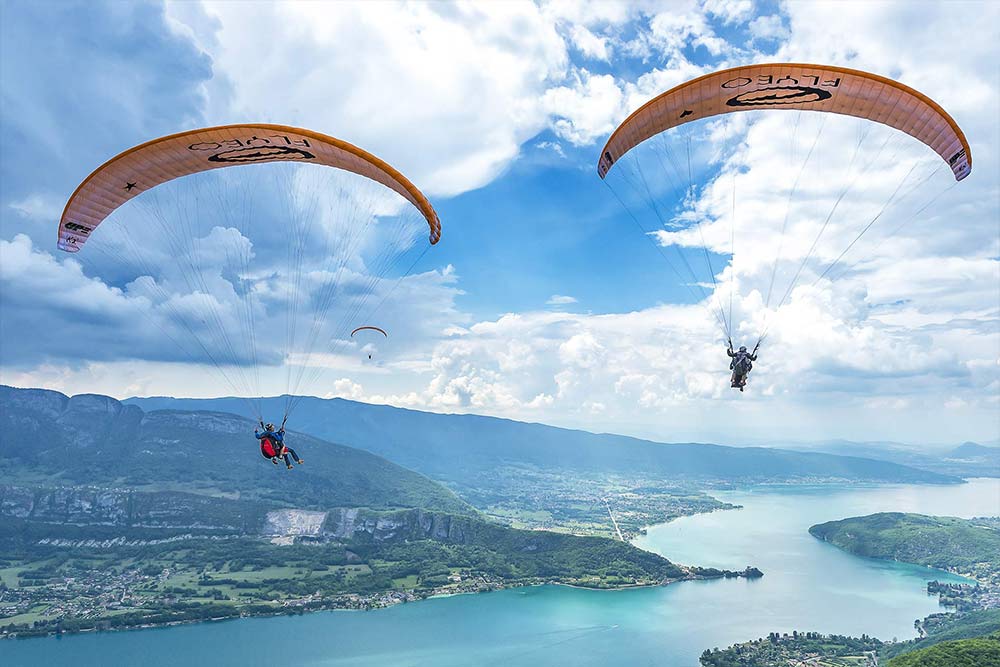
(356, 603)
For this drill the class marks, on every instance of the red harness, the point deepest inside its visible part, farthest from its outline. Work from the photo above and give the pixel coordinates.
(267, 448)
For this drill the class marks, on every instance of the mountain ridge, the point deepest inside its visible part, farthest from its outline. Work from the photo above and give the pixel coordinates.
(467, 448)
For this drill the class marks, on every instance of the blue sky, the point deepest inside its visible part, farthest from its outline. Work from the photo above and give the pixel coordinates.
(543, 301)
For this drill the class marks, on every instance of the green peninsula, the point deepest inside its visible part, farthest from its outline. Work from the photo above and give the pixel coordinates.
(969, 547)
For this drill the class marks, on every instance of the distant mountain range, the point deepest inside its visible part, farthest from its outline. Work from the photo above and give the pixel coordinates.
(467, 449)
(973, 451)
(969, 459)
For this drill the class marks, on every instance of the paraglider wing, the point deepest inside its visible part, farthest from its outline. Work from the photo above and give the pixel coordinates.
(155, 162)
(796, 86)
(371, 329)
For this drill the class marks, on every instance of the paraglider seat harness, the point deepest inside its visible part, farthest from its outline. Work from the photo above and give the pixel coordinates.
(271, 448)
(268, 449)
(741, 365)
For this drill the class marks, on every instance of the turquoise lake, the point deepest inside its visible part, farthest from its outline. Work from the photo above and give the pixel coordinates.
(807, 585)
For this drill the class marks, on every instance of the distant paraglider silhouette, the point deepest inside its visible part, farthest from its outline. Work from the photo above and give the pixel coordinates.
(369, 328)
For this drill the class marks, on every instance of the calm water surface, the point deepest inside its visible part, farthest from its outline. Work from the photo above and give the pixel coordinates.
(807, 585)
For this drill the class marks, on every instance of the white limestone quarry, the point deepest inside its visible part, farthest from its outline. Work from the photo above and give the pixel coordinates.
(290, 523)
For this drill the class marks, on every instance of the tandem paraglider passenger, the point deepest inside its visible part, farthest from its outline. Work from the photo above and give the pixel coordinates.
(272, 445)
(741, 364)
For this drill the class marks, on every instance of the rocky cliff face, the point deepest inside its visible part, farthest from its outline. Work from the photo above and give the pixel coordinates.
(128, 508)
(89, 407)
(124, 508)
(362, 525)
(90, 506)
(88, 420)
(294, 522)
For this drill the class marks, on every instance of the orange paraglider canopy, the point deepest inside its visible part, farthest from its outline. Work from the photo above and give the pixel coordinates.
(155, 162)
(795, 86)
